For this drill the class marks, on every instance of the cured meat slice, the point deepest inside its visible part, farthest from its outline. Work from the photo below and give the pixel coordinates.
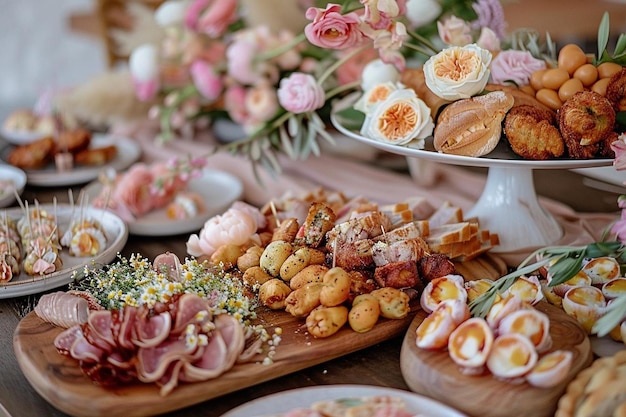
(153, 330)
(189, 306)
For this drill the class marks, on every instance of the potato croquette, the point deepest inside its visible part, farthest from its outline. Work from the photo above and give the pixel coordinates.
(532, 133)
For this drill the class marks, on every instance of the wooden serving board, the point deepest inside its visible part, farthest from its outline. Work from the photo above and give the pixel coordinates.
(434, 374)
(60, 381)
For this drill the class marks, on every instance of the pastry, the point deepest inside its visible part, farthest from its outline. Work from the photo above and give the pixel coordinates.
(33, 155)
(616, 90)
(73, 141)
(586, 121)
(532, 133)
(520, 97)
(472, 126)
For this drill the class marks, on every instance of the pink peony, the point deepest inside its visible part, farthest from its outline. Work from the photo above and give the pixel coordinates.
(514, 66)
(332, 30)
(211, 17)
(240, 60)
(233, 227)
(300, 93)
(206, 80)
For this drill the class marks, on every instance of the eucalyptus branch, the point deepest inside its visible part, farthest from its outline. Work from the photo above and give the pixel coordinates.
(284, 48)
(340, 89)
(340, 62)
(424, 41)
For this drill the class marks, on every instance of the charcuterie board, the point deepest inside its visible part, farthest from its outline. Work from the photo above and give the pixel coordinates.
(433, 374)
(60, 381)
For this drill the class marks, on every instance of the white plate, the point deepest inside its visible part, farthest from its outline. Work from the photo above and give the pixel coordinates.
(282, 402)
(17, 177)
(128, 152)
(20, 137)
(116, 233)
(218, 189)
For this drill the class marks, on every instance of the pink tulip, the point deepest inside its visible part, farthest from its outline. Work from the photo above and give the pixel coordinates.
(204, 77)
(211, 17)
(330, 29)
(144, 69)
(300, 93)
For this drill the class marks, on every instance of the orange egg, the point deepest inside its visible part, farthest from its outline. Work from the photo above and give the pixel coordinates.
(569, 88)
(607, 69)
(535, 79)
(571, 56)
(554, 78)
(528, 90)
(549, 98)
(587, 74)
(600, 86)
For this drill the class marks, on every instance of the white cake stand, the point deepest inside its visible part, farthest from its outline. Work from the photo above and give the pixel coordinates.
(508, 204)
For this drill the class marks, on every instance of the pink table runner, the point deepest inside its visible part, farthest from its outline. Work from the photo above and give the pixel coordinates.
(353, 178)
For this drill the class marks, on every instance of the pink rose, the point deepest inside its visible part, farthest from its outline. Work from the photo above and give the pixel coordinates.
(488, 40)
(514, 66)
(206, 80)
(144, 69)
(235, 104)
(455, 32)
(300, 93)
(619, 147)
(352, 69)
(233, 227)
(330, 29)
(261, 102)
(211, 17)
(133, 190)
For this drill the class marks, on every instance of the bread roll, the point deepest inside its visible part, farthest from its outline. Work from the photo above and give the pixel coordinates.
(472, 126)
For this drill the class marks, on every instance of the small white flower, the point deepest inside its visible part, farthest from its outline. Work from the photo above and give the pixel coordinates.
(377, 72)
(422, 12)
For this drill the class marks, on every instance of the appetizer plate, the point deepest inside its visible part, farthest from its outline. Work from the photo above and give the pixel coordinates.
(434, 374)
(218, 190)
(20, 137)
(128, 152)
(282, 402)
(116, 233)
(17, 181)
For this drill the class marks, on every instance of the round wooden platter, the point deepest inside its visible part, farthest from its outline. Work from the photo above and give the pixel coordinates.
(60, 381)
(434, 374)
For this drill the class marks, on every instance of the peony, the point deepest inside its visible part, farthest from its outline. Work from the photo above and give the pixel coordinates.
(377, 72)
(330, 29)
(233, 227)
(400, 119)
(458, 72)
(515, 66)
(300, 93)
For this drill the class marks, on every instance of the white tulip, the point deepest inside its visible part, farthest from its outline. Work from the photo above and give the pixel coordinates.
(422, 12)
(377, 72)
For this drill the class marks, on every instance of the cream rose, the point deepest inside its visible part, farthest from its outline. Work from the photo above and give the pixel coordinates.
(376, 94)
(401, 119)
(458, 72)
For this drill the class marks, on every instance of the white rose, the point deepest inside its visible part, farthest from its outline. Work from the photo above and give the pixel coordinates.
(377, 72)
(422, 12)
(401, 119)
(144, 63)
(458, 72)
(378, 92)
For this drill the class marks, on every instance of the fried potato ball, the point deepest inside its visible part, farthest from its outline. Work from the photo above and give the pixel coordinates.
(532, 133)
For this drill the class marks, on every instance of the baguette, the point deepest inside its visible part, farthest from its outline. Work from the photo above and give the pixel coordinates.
(444, 214)
(449, 233)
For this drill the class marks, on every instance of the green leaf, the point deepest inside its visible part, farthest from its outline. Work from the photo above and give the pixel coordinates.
(620, 45)
(350, 118)
(615, 314)
(564, 269)
(603, 35)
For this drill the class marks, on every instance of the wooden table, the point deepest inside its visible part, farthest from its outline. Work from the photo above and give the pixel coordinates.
(378, 365)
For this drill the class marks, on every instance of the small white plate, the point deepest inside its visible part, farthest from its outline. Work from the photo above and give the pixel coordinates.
(17, 178)
(282, 402)
(128, 152)
(20, 137)
(116, 233)
(218, 190)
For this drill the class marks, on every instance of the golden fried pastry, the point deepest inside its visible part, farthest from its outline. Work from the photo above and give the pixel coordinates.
(472, 126)
(73, 141)
(616, 90)
(33, 155)
(96, 156)
(585, 120)
(532, 133)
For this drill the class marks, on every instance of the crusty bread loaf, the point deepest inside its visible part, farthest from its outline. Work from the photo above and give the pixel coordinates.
(444, 214)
